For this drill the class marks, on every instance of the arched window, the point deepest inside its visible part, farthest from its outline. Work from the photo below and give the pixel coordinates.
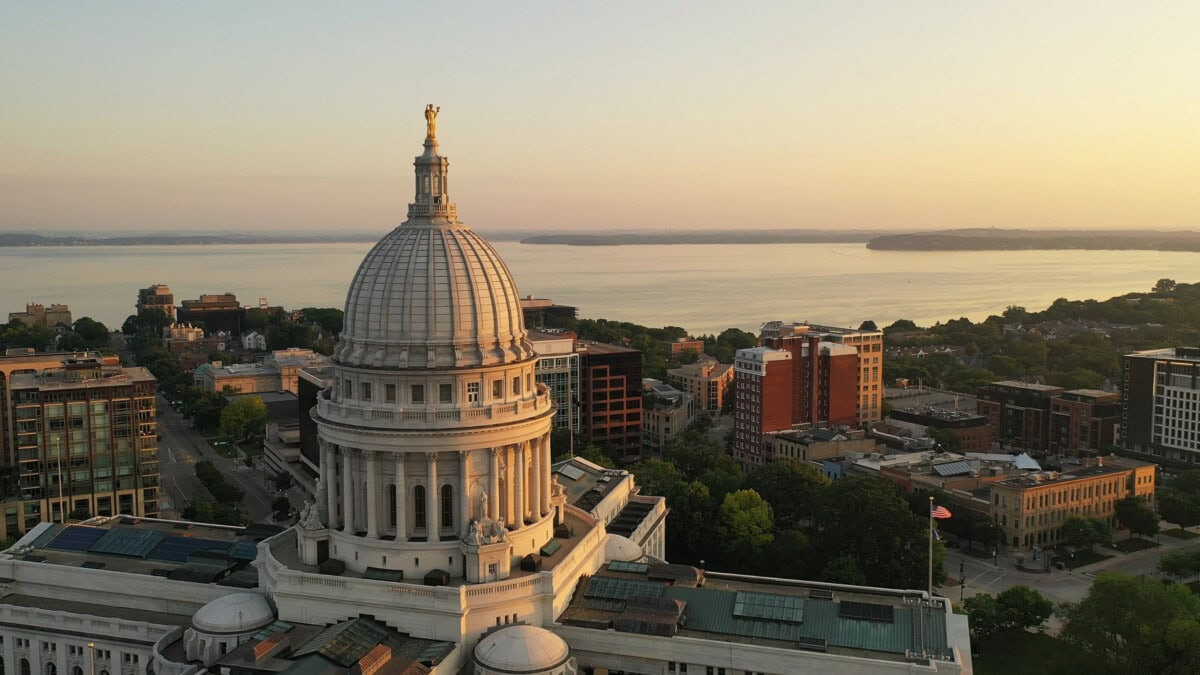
(391, 498)
(50, 668)
(76, 670)
(1, 665)
(447, 506)
(419, 506)
(24, 666)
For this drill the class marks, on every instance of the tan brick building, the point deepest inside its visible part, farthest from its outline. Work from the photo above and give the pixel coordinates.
(1031, 508)
(706, 380)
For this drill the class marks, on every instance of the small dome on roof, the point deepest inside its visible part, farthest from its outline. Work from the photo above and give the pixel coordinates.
(522, 649)
(234, 613)
(621, 548)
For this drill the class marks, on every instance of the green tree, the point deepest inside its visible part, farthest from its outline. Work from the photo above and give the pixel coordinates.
(868, 325)
(785, 555)
(243, 416)
(1137, 516)
(93, 332)
(791, 488)
(1179, 508)
(1084, 532)
(945, 438)
(843, 570)
(983, 613)
(867, 520)
(1137, 625)
(745, 526)
(595, 455)
(283, 480)
(1180, 564)
(281, 508)
(1164, 286)
(1021, 607)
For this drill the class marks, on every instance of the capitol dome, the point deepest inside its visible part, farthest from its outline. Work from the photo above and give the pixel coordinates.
(234, 613)
(432, 293)
(522, 649)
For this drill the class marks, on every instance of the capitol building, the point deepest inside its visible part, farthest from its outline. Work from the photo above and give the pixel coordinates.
(442, 537)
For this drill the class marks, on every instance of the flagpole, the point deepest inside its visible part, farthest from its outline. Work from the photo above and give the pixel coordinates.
(931, 548)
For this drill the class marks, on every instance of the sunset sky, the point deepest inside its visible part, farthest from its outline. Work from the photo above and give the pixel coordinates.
(272, 116)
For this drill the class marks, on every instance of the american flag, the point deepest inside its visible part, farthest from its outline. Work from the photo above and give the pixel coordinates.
(939, 512)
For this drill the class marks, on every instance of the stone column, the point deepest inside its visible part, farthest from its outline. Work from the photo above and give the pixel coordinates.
(329, 482)
(510, 511)
(464, 496)
(433, 521)
(493, 483)
(372, 494)
(347, 491)
(544, 449)
(519, 474)
(535, 482)
(401, 499)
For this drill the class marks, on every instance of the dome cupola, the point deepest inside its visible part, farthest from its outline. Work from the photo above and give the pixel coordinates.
(432, 293)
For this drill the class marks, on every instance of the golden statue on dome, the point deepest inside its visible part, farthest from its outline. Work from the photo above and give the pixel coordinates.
(431, 114)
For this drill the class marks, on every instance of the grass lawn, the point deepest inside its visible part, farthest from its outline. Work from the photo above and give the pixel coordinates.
(1180, 533)
(1135, 544)
(1082, 558)
(1021, 652)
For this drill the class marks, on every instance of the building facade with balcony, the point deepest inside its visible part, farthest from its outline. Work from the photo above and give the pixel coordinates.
(1160, 404)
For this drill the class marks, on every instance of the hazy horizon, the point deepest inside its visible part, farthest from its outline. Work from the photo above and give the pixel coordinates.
(294, 117)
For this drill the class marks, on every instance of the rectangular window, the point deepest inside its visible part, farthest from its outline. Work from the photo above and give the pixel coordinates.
(497, 389)
(366, 391)
(445, 393)
(516, 386)
(418, 393)
(347, 388)
(389, 393)
(472, 392)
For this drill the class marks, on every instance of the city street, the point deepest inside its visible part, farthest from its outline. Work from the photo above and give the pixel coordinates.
(984, 576)
(180, 448)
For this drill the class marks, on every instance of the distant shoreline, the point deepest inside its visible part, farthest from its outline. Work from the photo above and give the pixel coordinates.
(963, 240)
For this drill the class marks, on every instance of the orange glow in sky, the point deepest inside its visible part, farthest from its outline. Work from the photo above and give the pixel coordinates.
(564, 116)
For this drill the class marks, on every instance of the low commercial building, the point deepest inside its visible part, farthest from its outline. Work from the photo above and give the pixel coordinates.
(279, 371)
(683, 345)
(814, 445)
(708, 381)
(973, 432)
(1031, 507)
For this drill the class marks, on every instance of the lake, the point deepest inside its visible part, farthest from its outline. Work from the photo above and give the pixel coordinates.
(703, 288)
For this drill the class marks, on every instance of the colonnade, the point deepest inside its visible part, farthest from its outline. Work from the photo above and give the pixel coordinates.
(517, 488)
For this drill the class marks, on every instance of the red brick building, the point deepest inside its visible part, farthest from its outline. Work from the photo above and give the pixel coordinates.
(1018, 412)
(824, 379)
(1083, 420)
(762, 389)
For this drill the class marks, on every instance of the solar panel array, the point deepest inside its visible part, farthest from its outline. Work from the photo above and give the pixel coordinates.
(177, 549)
(867, 611)
(642, 627)
(609, 588)
(631, 567)
(76, 538)
(127, 541)
(572, 472)
(769, 606)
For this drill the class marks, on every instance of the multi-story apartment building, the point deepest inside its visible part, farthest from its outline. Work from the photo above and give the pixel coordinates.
(1031, 507)
(867, 343)
(157, 297)
(762, 403)
(1019, 412)
(708, 381)
(217, 311)
(279, 371)
(543, 313)
(612, 397)
(1084, 420)
(86, 442)
(558, 368)
(18, 361)
(37, 314)
(1160, 403)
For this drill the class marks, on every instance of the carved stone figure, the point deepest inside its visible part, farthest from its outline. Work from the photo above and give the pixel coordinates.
(310, 517)
(483, 504)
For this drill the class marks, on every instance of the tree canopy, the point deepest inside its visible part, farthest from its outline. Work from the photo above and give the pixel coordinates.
(243, 416)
